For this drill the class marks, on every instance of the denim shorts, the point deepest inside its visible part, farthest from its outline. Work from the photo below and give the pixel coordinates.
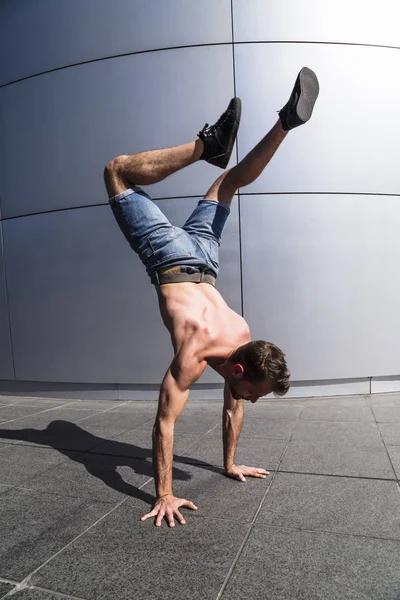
(161, 245)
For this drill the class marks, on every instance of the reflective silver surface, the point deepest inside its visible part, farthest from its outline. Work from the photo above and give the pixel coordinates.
(82, 307)
(349, 144)
(48, 34)
(344, 21)
(59, 130)
(327, 291)
(6, 365)
(319, 228)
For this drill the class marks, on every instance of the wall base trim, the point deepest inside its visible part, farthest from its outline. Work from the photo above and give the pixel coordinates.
(87, 391)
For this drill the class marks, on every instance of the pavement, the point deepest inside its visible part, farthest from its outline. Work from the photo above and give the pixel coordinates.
(76, 475)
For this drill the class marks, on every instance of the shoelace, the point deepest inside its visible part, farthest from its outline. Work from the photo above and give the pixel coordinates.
(224, 118)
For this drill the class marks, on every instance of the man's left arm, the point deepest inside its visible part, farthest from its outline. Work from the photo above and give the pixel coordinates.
(232, 421)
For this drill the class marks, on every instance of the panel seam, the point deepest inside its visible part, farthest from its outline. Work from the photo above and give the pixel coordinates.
(237, 161)
(97, 204)
(204, 45)
(7, 299)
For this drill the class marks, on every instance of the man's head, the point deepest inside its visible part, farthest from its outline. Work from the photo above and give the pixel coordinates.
(257, 369)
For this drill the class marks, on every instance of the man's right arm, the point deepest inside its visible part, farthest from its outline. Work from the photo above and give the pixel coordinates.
(173, 396)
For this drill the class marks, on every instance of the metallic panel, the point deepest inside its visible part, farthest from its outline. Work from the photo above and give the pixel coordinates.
(350, 144)
(6, 362)
(77, 31)
(82, 307)
(357, 21)
(339, 387)
(381, 385)
(59, 130)
(40, 389)
(327, 291)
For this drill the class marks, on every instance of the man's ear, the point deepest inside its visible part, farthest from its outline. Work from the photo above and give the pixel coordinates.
(238, 371)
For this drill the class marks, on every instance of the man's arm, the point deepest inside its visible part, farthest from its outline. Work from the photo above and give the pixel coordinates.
(173, 396)
(232, 421)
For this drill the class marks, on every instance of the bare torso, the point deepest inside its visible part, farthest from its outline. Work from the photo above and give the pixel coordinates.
(197, 314)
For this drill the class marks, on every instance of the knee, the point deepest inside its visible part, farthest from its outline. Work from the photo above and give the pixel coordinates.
(114, 167)
(114, 176)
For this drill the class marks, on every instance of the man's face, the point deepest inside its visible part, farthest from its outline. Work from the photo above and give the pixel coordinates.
(248, 390)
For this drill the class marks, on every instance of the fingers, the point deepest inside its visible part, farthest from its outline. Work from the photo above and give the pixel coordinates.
(180, 518)
(150, 514)
(188, 504)
(159, 518)
(170, 518)
(260, 473)
(170, 514)
(241, 477)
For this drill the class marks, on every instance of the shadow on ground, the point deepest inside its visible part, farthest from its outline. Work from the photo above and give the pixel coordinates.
(83, 447)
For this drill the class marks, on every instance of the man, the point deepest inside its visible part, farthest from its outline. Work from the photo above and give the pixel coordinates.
(183, 265)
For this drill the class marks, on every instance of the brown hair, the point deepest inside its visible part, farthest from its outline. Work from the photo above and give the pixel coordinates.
(264, 361)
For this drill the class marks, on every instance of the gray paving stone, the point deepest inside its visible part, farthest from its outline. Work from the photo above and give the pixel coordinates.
(339, 401)
(267, 428)
(34, 594)
(52, 428)
(337, 412)
(108, 425)
(192, 422)
(99, 405)
(270, 410)
(262, 453)
(8, 413)
(337, 432)
(106, 478)
(390, 433)
(394, 453)
(32, 400)
(34, 526)
(336, 504)
(5, 488)
(129, 559)
(219, 496)
(41, 403)
(285, 564)
(5, 588)
(323, 402)
(19, 463)
(326, 458)
(138, 444)
(137, 406)
(386, 414)
(385, 400)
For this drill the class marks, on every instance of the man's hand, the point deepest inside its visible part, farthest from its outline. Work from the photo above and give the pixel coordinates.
(167, 506)
(241, 472)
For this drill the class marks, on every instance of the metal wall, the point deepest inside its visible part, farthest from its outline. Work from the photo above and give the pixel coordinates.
(311, 248)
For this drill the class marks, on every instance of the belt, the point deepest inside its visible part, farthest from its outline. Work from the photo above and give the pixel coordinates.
(180, 274)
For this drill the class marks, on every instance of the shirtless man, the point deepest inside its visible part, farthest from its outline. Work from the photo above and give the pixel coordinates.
(183, 265)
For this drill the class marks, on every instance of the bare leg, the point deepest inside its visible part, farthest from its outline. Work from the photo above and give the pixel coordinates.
(149, 167)
(247, 171)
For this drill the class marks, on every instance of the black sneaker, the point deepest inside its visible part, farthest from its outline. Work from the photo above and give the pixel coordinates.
(299, 108)
(220, 137)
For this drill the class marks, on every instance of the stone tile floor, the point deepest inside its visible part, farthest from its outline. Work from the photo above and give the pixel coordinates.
(75, 477)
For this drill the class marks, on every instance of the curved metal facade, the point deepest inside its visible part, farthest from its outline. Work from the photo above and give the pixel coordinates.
(311, 251)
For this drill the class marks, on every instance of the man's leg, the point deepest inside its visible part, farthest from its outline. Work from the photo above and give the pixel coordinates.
(296, 112)
(214, 145)
(248, 169)
(149, 167)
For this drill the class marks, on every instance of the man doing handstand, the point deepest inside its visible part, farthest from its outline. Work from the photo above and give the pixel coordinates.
(183, 265)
